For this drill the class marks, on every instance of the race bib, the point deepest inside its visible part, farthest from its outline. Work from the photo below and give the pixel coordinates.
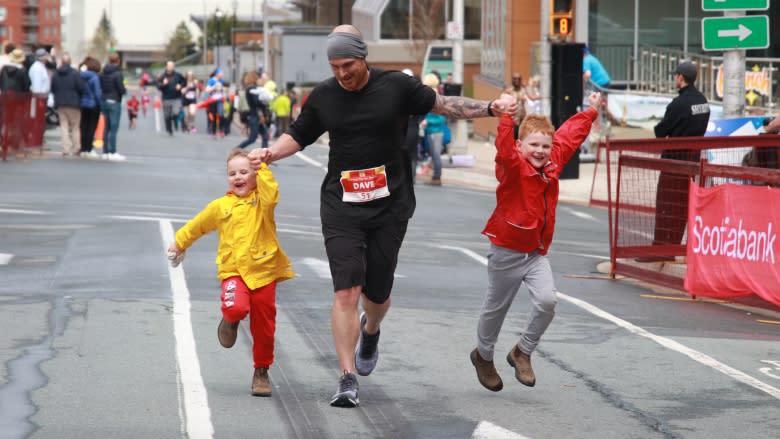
(364, 185)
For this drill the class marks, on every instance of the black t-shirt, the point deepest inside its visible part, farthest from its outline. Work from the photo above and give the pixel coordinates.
(367, 129)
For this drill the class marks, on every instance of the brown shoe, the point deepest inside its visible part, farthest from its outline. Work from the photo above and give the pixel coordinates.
(434, 181)
(522, 364)
(227, 333)
(486, 372)
(260, 384)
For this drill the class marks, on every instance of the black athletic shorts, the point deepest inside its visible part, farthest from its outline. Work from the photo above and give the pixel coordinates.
(364, 256)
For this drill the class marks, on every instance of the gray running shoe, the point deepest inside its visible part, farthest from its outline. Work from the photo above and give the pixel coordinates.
(367, 352)
(347, 395)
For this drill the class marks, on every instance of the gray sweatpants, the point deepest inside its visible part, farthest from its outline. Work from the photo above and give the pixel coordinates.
(507, 270)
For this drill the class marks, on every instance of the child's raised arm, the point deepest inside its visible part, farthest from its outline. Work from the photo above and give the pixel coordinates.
(267, 185)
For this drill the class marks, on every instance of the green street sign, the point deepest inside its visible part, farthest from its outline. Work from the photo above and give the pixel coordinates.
(729, 33)
(732, 5)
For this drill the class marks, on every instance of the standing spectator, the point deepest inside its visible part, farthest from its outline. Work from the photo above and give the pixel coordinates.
(434, 133)
(593, 70)
(90, 105)
(40, 81)
(170, 82)
(687, 115)
(40, 85)
(4, 54)
(189, 97)
(13, 76)
(518, 91)
(282, 107)
(67, 88)
(113, 89)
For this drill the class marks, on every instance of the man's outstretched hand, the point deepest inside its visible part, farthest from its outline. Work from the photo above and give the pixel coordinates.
(258, 156)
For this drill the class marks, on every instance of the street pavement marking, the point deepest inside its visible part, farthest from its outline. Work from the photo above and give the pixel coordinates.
(486, 430)
(311, 161)
(299, 232)
(24, 211)
(770, 322)
(579, 214)
(663, 341)
(682, 298)
(5, 258)
(196, 415)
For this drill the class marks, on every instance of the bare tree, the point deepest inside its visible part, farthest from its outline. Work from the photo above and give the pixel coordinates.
(427, 25)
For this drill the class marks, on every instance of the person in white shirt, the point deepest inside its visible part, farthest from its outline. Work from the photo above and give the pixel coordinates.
(40, 81)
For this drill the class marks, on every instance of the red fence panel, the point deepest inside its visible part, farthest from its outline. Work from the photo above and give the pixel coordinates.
(22, 122)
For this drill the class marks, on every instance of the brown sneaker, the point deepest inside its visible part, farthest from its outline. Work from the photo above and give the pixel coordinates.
(260, 384)
(227, 333)
(522, 364)
(434, 181)
(486, 372)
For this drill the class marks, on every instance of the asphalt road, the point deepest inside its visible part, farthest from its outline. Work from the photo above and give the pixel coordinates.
(100, 338)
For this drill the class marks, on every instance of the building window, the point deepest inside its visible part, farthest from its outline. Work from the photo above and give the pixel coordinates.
(394, 21)
(428, 19)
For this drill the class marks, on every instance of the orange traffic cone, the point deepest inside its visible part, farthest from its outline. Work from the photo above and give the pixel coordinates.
(101, 126)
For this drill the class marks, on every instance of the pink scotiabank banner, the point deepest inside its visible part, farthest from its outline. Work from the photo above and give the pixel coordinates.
(732, 242)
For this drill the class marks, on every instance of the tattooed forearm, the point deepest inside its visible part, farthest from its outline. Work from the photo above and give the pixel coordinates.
(458, 107)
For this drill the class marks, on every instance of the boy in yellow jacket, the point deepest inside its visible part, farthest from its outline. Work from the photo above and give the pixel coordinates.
(250, 260)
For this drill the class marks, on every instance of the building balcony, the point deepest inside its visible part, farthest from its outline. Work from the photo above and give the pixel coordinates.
(30, 4)
(30, 21)
(30, 38)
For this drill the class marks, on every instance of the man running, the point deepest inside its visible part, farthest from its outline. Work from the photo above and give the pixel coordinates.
(367, 197)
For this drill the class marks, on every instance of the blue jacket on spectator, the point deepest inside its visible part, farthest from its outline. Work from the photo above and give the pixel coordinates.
(92, 92)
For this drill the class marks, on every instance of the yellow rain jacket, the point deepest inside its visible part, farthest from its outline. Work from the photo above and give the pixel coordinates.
(248, 246)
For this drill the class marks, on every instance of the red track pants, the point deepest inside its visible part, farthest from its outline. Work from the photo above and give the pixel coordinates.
(260, 304)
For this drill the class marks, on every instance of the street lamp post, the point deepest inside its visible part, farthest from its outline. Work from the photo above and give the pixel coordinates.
(218, 14)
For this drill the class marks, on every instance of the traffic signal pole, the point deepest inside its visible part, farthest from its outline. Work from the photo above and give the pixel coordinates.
(544, 58)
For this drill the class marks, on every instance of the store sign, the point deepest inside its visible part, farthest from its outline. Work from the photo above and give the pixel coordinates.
(758, 79)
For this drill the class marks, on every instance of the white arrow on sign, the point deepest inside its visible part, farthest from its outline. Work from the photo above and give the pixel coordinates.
(743, 32)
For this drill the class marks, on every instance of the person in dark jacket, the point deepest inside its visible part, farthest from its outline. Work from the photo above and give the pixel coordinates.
(113, 88)
(170, 82)
(13, 76)
(90, 105)
(687, 115)
(253, 115)
(67, 88)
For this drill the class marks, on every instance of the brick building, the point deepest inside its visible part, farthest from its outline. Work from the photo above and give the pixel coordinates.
(30, 23)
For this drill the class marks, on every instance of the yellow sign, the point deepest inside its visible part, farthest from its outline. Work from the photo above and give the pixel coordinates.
(757, 79)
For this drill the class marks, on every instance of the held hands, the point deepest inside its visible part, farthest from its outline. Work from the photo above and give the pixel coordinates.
(258, 156)
(505, 104)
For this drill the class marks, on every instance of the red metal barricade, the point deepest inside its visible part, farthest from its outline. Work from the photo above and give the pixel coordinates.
(22, 123)
(648, 195)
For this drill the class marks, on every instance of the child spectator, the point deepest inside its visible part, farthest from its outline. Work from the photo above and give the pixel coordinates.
(133, 104)
(250, 259)
(521, 231)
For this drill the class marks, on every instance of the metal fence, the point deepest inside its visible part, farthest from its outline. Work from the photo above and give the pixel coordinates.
(22, 123)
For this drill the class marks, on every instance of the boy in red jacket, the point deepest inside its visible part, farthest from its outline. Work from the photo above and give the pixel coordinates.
(521, 230)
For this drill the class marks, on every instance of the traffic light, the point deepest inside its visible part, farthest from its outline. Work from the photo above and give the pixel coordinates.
(561, 18)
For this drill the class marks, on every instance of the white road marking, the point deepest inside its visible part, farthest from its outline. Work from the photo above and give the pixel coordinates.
(663, 341)
(311, 161)
(299, 232)
(579, 214)
(486, 430)
(585, 255)
(24, 211)
(5, 258)
(193, 399)
(320, 267)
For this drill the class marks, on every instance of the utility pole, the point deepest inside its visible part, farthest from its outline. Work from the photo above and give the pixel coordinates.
(734, 73)
(461, 135)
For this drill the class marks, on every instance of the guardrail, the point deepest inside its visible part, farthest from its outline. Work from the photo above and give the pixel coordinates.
(22, 122)
(647, 195)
